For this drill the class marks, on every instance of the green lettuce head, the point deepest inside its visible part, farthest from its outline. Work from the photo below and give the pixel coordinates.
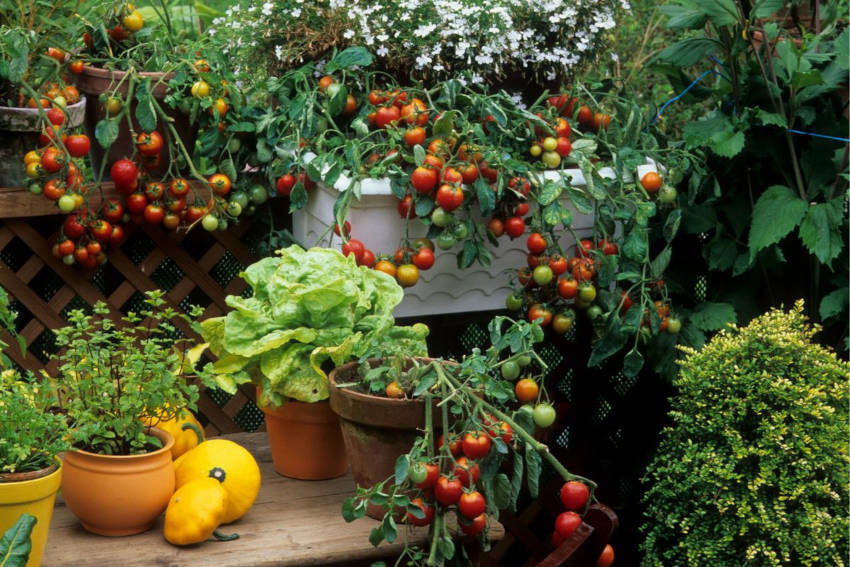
(308, 306)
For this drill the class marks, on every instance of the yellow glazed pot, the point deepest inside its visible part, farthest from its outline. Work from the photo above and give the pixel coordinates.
(33, 494)
(118, 495)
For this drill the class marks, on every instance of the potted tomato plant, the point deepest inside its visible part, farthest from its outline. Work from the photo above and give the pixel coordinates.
(468, 458)
(112, 376)
(309, 309)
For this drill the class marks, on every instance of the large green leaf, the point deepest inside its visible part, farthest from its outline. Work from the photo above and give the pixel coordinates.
(683, 14)
(710, 316)
(765, 8)
(720, 12)
(834, 303)
(15, 544)
(348, 58)
(689, 51)
(777, 212)
(821, 230)
(145, 112)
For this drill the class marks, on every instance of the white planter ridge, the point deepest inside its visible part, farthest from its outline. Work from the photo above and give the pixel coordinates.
(444, 288)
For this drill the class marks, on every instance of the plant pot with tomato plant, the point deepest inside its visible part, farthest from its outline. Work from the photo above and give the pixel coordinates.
(456, 482)
(114, 374)
(35, 96)
(309, 309)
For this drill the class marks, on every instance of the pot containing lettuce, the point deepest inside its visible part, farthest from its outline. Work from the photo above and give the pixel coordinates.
(307, 307)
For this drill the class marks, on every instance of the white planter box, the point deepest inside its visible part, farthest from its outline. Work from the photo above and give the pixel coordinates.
(444, 288)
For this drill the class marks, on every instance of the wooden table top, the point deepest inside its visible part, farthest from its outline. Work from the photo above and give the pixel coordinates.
(292, 523)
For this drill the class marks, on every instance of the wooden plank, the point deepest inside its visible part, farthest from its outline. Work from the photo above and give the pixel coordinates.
(293, 523)
(30, 269)
(232, 242)
(6, 236)
(18, 202)
(37, 306)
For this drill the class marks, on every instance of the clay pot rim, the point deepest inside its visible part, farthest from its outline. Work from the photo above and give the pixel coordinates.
(29, 110)
(29, 476)
(371, 398)
(164, 436)
(107, 73)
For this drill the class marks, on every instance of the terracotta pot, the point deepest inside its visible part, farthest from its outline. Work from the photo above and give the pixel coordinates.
(19, 131)
(376, 430)
(117, 495)
(30, 493)
(305, 439)
(94, 81)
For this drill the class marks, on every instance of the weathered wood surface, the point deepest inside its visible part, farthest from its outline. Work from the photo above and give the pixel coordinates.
(293, 523)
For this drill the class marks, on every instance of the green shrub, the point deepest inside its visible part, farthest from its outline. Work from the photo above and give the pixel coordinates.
(754, 469)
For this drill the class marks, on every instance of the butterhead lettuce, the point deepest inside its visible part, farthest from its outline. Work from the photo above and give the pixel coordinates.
(307, 307)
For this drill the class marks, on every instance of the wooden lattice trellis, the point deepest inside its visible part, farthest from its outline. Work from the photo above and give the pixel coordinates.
(197, 268)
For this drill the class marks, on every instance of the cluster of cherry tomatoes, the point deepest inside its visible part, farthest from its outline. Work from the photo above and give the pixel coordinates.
(121, 25)
(453, 485)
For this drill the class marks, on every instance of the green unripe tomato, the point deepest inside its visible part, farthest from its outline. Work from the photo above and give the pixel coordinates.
(209, 222)
(441, 218)
(594, 312)
(513, 302)
(66, 203)
(460, 231)
(68, 259)
(666, 195)
(240, 197)
(445, 241)
(417, 472)
(510, 370)
(543, 274)
(544, 415)
(234, 145)
(222, 224)
(258, 194)
(587, 292)
(674, 325)
(551, 159)
(523, 360)
(234, 208)
(36, 189)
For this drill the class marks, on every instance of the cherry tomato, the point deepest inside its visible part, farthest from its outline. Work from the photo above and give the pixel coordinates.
(476, 526)
(424, 258)
(562, 323)
(447, 491)
(424, 179)
(429, 479)
(566, 523)
(427, 510)
(449, 196)
(514, 226)
(455, 444)
(154, 213)
(543, 274)
(407, 275)
(471, 504)
(476, 444)
(526, 390)
(606, 558)
(510, 370)
(513, 302)
(124, 173)
(587, 292)
(537, 311)
(574, 495)
(536, 243)
(544, 415)
(394, 390)
(355, 247)
(387, 267)
(220, 184)
(149, 143)
(405, 207)
(497, 228)
(467, 472)
(651, 181)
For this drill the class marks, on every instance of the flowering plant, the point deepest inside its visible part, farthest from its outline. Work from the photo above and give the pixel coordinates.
(432, 39)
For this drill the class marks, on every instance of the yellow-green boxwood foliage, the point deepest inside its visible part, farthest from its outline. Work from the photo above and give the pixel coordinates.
(754, 469)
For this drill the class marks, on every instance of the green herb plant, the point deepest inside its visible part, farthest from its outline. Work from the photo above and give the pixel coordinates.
(114, 373)
(473, 399)
(754, 468)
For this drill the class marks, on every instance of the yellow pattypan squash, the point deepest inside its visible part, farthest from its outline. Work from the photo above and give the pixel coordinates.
(185, 428)
(195, 511)
(229, 463)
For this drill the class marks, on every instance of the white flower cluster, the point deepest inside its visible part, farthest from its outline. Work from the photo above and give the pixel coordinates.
(487, 38)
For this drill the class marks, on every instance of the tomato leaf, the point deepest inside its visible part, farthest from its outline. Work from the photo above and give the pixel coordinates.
(821, 231)
(376, 536)
(145, 112)
(516, 480)
(444, 125)
(765, 8)
(660, 262)
(402, 466)
(446, 547)
(709, 316)
(15, 546)
(721, 253)
(227, 168)
(485, 257)
(635, 246)
(424, 206)
(106, 132)
(671, 225)
(776, 213)
(688, 51)
(298, 197)
(611, 342)
(467, 257)
(349, 509)
(418, 154)
(332, 174)
(348, 58)
(580, 200)
(485, 195)
(683, 15)
(389, 529)
(502, 492)
(632, 362)
(264, 152)
(532, 462)
(549, 192)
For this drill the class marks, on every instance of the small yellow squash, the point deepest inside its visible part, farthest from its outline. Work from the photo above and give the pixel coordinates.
(195, 510)
(185, 428)
(229, 463)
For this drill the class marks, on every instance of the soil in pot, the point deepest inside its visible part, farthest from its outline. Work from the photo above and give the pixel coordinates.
(19, 132)
(376, 430)
(31, 493)
(305, 439)
(117, 495)
(93, 81)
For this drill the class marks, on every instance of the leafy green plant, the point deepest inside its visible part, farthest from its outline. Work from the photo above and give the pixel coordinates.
(500, 452)
(307, 307)
(15, 545)
(114, 374)
(754, 469)
(31, 434)
(770, 195)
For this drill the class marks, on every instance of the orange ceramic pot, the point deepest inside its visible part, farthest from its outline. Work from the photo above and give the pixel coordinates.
(306, 441)
(117, 495)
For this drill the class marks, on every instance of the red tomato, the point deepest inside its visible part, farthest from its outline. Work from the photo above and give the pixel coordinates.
(424, 258)
(124, 173)
(608, 248)
(65, 247)
(471, 504)
(574, 495)
(154, 213)
(432, 473)
(447, 491)
(52, 160)
(469, 173)
(496, 227)
(455, 444)
(101, 230)
(136, 203)
(566, 523)
(354, 246)
(415, 113)
(368, 259)
(386, 115)
(149, 143)
(537, 311)
(521, 210)
(424, 179)
(179, 187)
(476, 526)
(426, 508)
(113, 210)
(520, 185)
(558, 264)
(72, 227)
(567, 288)
(405, 207)
(220, 184)
(476, 444)
(536, 243)
(449, 196)
(117, 235)
(55, 116)
(585, 116)
(154, 191)
(466, 471)
(514, 226)
(564, 147)
(414, 136)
